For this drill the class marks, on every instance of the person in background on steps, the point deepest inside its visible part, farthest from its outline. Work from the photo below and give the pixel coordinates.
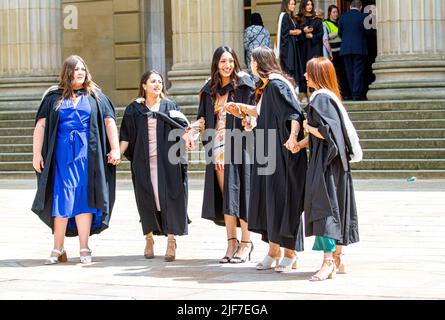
(277, 194)
(75, 151)
(227, 183)
(160, 186)
(329, 206)
(255, 36)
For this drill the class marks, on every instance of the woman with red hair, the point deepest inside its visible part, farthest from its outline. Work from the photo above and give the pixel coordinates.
(330, 209)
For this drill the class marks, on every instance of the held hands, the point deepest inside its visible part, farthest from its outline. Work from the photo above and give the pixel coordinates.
(114, 157)
(292, 144)
(38, 163)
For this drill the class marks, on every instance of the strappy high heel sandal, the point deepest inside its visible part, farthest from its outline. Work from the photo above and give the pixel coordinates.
(287, 265)
(86, 259)
(267, 263)
(171, 244)
(340, 263)
(61, 257)
(243, 259)
(226, 259)
(329, 273)
(149, 254)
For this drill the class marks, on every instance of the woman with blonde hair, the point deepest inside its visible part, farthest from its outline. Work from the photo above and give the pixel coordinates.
(330, 209)
(75, 151)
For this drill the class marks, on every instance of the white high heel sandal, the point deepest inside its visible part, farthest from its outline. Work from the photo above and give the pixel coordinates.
(286, 265)
(61, 257)
(86, 259)
(267, 263)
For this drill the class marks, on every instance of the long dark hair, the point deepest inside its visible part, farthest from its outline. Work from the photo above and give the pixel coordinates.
(256, 19)
(302, 11)
(267, 64)
(216, 81)
(144, 79)
(67, 76)
(284, 5)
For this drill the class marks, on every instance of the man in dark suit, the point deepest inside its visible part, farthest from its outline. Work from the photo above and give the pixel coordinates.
(354, 48)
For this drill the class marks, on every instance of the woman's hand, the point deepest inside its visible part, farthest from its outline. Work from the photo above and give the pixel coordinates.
(219, 166)
(114, 157)
(292, 144)
(38, 163)
(307, 29)
(234, 109)
(247, 125)
(309, 35)
(189, 143)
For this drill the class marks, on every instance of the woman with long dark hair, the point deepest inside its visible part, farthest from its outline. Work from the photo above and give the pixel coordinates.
(288, 41)
(160, 185)
(227, 183)
(75, 151)
(277, 192)
(330, 209)
(311, 40)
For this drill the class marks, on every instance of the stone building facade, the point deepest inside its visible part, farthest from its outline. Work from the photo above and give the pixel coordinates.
(120, 39)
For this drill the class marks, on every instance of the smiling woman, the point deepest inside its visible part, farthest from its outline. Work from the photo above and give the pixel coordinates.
(74, 160)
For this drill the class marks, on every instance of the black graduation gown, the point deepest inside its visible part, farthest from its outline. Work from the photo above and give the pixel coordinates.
(330, 209)
(276, 202)
(289, 52)
(310, 48)
(235, 201)
(172, 177)
(101, 175)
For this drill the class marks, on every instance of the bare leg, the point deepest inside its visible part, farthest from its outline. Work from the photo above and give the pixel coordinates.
(340, 260)
(60, 225)
(84, 222)
(230, 222)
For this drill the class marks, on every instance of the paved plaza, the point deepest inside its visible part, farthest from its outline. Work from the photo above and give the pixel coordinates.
(401, 254)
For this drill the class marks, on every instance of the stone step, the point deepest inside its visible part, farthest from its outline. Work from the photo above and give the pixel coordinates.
(402, 134)
(400, 124)
(395, 105)
(402, 143)
(124, 166)
(400, 164)
(121, 175)
(16, 139)
(16, 148)
(16, 132)
(404, 154)
(397, 115)
(19, 105)
(17, 123)
(398, 174)
(17, 115)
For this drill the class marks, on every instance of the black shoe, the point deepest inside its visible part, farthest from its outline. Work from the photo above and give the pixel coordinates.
(243, 259)
(227, 259)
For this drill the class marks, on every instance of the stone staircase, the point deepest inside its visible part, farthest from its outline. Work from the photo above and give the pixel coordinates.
(401, 139)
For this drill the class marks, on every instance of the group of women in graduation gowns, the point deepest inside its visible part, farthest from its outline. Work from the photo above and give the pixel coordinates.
(270, 202)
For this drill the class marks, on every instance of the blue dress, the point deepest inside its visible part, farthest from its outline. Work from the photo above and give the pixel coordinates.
(70, 196)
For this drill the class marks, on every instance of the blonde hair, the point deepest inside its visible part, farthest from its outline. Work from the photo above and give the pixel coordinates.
(321, 72)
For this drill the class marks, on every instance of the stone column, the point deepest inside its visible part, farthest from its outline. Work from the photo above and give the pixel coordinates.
(411, 50)
(30, 47)
(199, 27)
